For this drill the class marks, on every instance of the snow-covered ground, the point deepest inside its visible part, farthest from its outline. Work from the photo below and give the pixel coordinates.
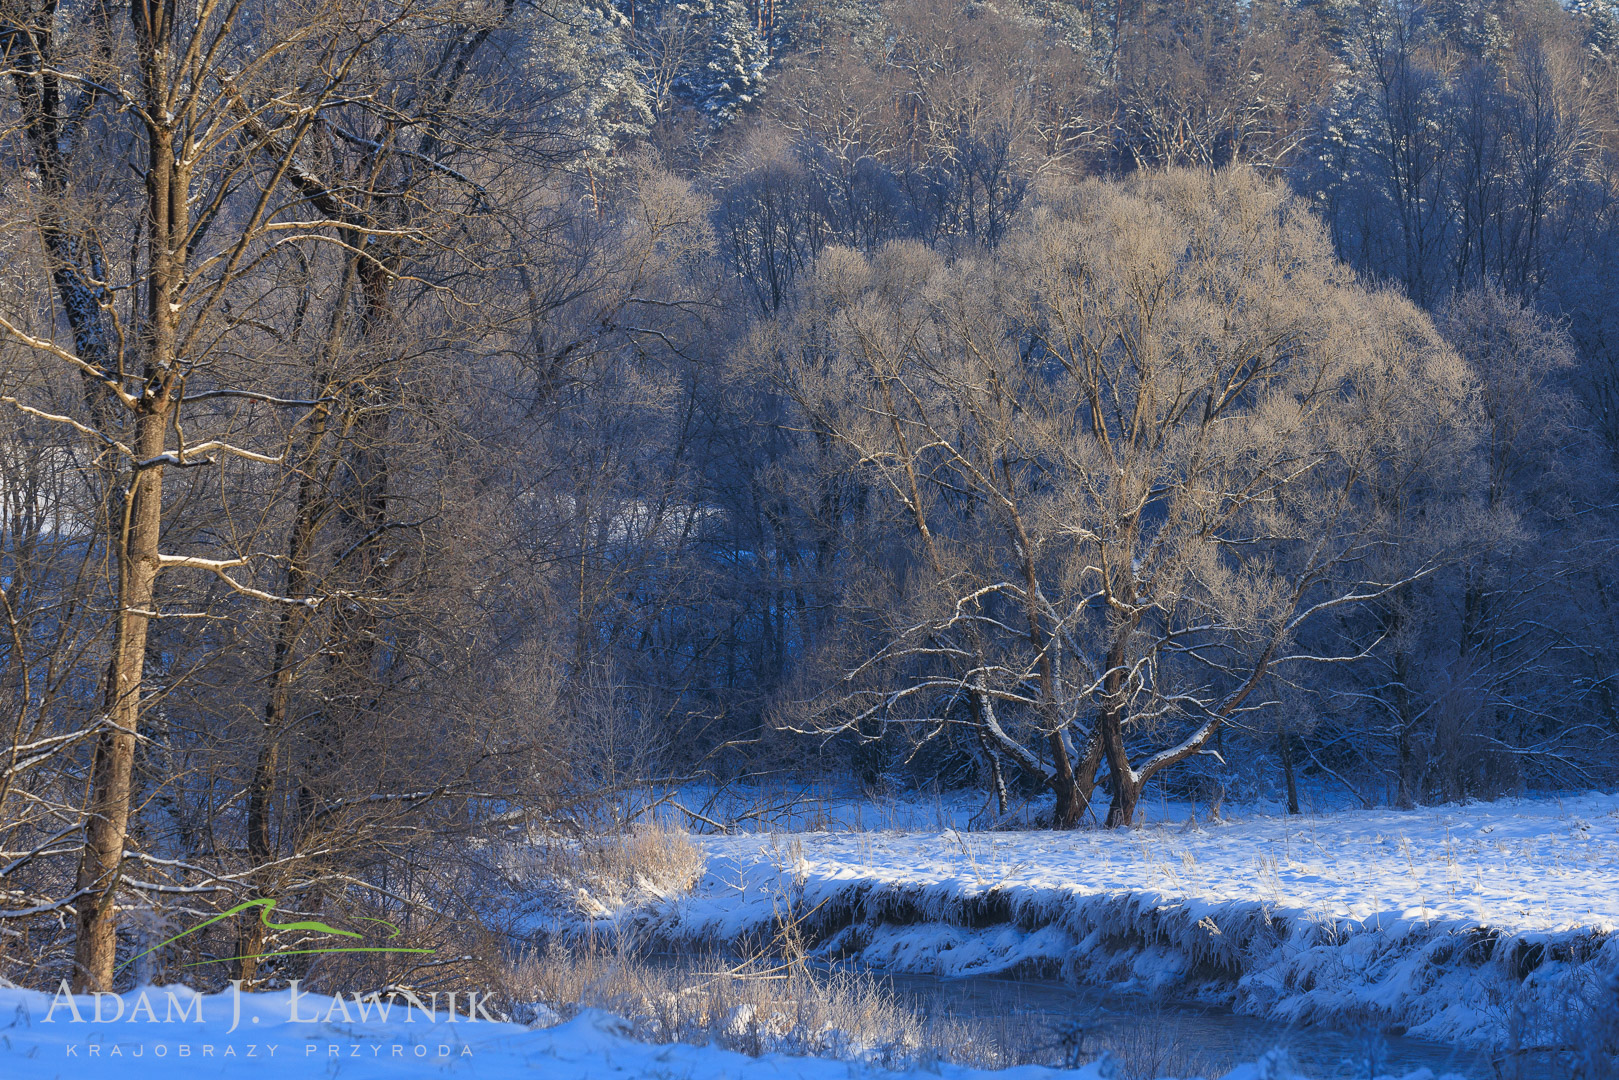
(1447, 922)
(1516, 865)
(39, 1043)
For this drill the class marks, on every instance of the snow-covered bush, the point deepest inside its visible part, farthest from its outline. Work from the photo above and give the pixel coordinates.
(585, 879)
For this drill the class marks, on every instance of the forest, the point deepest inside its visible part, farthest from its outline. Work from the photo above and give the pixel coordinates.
(426, 426)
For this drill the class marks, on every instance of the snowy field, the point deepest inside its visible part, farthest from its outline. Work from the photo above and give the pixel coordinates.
(1443, 922)
(1516, 865)
(266, 1042)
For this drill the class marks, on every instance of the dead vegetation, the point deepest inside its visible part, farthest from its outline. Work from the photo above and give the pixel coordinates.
(759, 1006)
(589, 877)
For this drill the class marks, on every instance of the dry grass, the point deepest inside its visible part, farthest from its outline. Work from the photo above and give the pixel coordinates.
(757, 1007)
(1589, 1027)
(753, 1008)
(595, 876)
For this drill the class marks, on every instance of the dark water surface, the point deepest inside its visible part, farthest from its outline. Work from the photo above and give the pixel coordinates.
(1216, 1037)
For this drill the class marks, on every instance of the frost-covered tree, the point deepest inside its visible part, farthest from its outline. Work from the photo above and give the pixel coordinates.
(1213, 82)
(1138, 454)
(1486, 674)
(1460, 147)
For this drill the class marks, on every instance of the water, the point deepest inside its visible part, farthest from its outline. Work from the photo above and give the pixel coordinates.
(1216, 1038)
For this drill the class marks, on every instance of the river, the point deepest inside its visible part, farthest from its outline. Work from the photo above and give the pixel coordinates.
(1214, 1037)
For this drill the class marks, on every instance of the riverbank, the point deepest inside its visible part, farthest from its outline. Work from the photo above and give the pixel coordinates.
(269, 1035)
(1490, 924)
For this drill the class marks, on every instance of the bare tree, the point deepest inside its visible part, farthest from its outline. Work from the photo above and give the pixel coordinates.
(1140, 451)
(1214, 83)
(217, 137)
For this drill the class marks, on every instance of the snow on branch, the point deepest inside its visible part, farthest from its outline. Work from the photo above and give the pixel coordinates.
(106, 379)
(217, 567)
(56, 418)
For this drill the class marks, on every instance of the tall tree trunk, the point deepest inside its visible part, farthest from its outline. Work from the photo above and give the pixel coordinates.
(138, 556)
(361, 515)
(1072, 798)
(51, 123)
(992, 765)
(1405, 718)
(261, 789)
(114, 760)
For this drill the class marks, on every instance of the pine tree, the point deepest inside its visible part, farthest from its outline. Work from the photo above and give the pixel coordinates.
(581, 58)
(728, 71)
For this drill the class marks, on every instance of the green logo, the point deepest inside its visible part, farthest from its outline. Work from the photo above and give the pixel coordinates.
(265, 906)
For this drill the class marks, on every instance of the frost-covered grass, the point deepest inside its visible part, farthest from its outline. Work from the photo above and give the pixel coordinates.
(599, 874)
(1487, 922)
(1516, 865)
(759, 1007)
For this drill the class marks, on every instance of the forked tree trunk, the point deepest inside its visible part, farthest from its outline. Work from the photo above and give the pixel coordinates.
(1121, 812)
(1128, 782)
(1073, 790)
(1070, 802)
(1085, 774)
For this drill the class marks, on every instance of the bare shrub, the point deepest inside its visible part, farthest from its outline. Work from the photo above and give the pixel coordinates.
(1591, 1030)
(1149, 1050)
